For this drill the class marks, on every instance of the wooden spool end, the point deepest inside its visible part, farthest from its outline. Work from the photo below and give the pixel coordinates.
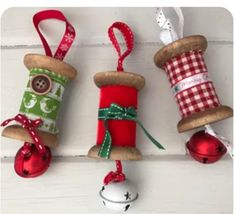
(205, 117)
(179, 47)
(119, 78)
(123, 79)
(51, 64)
(18, 133)
(117, 153)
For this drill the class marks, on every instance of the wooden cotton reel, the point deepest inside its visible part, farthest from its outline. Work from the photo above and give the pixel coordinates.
(117, 115)
(117, 119)
(121, 88)
(196, 117)
(37, 105)
(48, 76)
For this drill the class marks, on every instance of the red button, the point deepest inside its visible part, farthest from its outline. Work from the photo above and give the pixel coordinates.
(41, 84)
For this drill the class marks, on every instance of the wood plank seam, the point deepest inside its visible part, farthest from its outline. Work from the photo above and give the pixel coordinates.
(150, 43)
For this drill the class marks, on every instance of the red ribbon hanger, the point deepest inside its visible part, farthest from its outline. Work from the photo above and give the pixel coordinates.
(129, 41)
(67, 39)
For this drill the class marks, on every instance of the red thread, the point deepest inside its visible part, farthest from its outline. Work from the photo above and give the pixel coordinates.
(129, 40)
(30, 126)
(122, 131)
(117, 176)
(67, 38)
(199, 97)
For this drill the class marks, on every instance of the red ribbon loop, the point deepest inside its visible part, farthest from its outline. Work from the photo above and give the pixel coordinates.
(117, 176)
(129, 39)
(67, 38)
(30, 126)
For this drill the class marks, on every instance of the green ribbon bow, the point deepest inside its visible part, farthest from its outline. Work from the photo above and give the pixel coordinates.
(116, 112)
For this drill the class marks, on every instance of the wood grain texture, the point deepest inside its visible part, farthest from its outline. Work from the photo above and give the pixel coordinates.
(78, 114)
(166, 185)
(169, 182)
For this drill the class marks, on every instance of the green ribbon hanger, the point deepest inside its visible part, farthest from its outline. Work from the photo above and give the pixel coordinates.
(116, 112)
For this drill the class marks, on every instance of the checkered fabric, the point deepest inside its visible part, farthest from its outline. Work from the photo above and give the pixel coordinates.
(199, 97)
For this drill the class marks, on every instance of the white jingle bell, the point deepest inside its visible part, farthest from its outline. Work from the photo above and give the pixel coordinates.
(118, 196)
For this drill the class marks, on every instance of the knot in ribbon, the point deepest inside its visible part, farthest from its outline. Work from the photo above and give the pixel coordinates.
(30, 126)
(114, 177)
(117, 176)
(117, 112)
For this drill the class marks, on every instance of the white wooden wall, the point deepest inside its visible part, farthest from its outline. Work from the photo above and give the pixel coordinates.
(168, 181)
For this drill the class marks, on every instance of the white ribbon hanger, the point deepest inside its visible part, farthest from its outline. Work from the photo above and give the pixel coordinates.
(169, 33)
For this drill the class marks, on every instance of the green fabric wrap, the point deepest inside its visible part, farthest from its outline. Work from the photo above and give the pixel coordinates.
(45, 106)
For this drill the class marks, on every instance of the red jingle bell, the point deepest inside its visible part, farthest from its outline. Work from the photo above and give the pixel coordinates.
(29, 162)
(205, 148)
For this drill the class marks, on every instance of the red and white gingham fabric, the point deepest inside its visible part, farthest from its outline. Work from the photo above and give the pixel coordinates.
(199, 97)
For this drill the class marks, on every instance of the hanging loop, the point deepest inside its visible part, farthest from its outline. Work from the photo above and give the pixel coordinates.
(67, 38)
(129, 40)
(169, 31)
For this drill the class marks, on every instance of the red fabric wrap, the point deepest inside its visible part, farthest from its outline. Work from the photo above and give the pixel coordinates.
(122, 131)
(199, 97)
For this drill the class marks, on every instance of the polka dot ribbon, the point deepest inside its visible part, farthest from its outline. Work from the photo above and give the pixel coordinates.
(67, 38)
(129, 40)
(170, 32)
(117, 176)
(30, 126)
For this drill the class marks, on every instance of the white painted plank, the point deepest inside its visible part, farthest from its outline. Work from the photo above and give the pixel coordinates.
(77, 120)
(92, 24)
(169, 185)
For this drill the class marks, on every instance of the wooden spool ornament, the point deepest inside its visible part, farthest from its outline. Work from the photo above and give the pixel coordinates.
(121, 88)
(48, 76)
(195, 113)
(118, 88)
(117, 119)
(196, 97)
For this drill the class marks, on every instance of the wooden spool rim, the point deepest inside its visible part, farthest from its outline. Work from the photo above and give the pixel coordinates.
(119, 78)
(51, 64)
(19, 133)
(117, 153)
(189, 43)
(205, 117)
